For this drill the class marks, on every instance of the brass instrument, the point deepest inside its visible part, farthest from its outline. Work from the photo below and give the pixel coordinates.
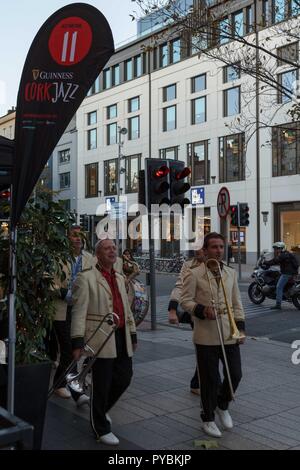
(213, 265)
(76, 381)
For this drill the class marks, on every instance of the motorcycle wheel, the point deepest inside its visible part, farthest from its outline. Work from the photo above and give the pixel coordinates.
(296, 301)
(255, 294)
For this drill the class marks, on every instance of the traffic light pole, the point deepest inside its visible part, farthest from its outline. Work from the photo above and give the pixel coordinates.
(152, 275)
(239, 243)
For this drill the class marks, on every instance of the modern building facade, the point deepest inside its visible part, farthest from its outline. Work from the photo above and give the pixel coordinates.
(178, 105)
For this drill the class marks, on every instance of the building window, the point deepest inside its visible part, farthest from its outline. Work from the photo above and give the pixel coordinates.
(95, 87)
(198, 83)
(106, 79)
(138, 66)
(287, 81)
(64, 180)
(290, 52)
(199, 162)
(134, 104)
(132, 165)
(169, 118)
(238, 24)
(112, 111)
(224, 31)
(92, 118)
(232, 101)
(286, 150)
(295, 7)
(265, 12)
(91, 180)
(278, 10)
(116, 78)
(92, 139)
(232, 158)
(249, 20)
(169, 93)
(199, 110)
(231, 72)
(128, 70)
(134, 128)
(110, 177)
(64, 156)
(175, 51)
(111, 133)
(170, 152)
(163, 55)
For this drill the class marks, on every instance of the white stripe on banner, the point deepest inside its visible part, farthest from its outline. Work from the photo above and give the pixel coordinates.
(65, 47)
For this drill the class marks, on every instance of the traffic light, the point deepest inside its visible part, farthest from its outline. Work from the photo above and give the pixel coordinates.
(85, 222)
(157, 181)
(4, 204)
(244, 215)
(234, 216)
(178, 187)
(142, 187)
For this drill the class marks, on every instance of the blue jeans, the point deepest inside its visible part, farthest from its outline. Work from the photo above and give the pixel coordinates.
(283, 280)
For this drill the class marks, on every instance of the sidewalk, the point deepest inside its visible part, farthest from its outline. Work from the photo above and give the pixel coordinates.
(158, 411)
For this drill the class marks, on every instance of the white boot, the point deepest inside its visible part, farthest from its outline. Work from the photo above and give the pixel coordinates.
(210, 428)
(109, 439)
(225, 418)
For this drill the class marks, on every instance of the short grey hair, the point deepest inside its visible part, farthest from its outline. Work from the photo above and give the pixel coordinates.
(103, 236)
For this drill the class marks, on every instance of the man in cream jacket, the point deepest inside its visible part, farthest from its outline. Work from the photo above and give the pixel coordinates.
(97, 292)
(196, 298)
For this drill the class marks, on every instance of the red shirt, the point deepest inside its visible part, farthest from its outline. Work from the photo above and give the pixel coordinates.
(117, 299)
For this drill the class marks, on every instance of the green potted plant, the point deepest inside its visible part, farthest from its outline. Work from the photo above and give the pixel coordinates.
(42, 249)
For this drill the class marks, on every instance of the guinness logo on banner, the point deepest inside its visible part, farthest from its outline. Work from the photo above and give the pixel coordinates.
(35, 74)
(66, 57)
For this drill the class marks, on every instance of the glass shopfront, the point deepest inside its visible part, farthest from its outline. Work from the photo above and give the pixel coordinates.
(287, 225)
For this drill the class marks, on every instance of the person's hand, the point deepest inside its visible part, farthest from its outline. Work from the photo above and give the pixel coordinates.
(243, 339)
(77, 353)
(209, 313)
(173, 319)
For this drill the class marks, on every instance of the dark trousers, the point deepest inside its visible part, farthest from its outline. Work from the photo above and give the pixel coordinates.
(213, 393)
(110, 379)
(63, 334)
(195, 378)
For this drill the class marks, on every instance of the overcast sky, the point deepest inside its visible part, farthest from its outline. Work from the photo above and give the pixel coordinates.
(21, 19)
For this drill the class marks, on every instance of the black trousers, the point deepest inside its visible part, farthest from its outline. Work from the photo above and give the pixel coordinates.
(63, 333)
(213, 393)
(110, 379)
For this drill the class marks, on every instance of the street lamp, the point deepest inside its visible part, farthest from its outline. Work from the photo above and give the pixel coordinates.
(121, 131)
(265, 216)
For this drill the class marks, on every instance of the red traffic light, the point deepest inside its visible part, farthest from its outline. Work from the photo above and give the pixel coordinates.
(4, 194)
(183, 174)
(233, 209)
(162, 171)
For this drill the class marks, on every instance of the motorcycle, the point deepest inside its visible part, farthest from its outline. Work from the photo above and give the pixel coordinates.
(265, 281)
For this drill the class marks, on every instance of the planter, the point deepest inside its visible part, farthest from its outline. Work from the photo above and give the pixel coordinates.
(31, 391)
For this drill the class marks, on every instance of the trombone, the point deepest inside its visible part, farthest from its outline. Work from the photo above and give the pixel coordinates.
(76, 381)
(214, 266)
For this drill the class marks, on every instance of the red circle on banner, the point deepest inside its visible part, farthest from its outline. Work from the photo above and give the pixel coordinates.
(70, 41)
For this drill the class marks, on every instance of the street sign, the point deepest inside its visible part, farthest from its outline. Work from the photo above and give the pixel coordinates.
(197, 195)
(109, 201)
(117, 210)
(223, 202)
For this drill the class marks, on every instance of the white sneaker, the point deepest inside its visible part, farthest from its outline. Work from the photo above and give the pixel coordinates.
(83, 400)
(225, 418)
(109, 439)
(62, 392)
(210, 428)
(108, 418)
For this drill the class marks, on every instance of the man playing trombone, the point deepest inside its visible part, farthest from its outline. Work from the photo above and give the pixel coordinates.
(96, 293)
(211, 295)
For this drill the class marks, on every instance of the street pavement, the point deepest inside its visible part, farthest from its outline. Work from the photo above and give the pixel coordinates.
(158, 412)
